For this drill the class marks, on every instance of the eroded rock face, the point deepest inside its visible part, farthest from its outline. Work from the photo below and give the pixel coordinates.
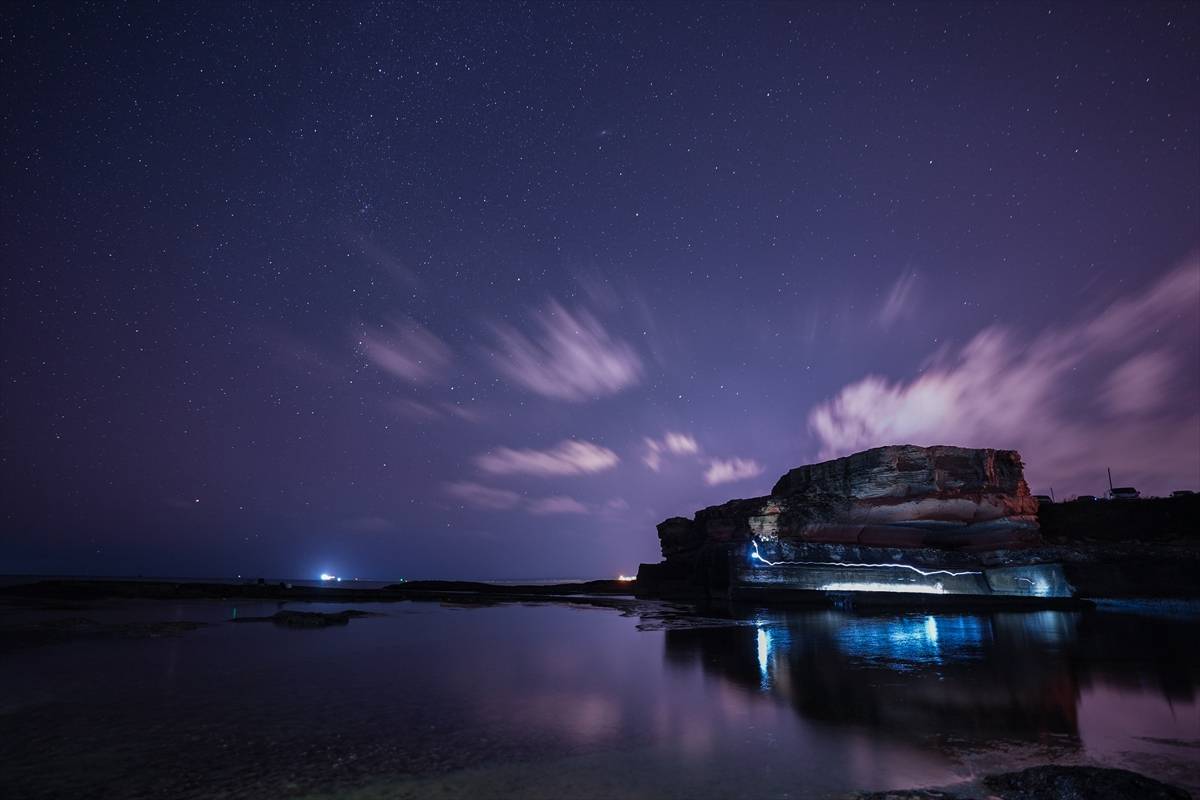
(896, 496)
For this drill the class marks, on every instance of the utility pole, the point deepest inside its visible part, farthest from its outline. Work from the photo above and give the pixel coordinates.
(1109, 479)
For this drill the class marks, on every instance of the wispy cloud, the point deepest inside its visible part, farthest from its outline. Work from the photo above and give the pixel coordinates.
(413, 409)
(1140, 384)
(569, 457)
(405, 349)
(305, 357)
(1072, 399)
(731, 469)
(382, 257)
(672, 443)
(680, 444)
(489, 498)
(900, 301)
(720, 470)
(574, 358)
(480, 496)
(421, 412)
(558, 504)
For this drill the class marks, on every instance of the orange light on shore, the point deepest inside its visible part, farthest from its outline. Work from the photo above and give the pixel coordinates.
(627, 578)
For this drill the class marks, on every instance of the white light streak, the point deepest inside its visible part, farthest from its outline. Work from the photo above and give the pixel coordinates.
(877, 586)
(925, 573)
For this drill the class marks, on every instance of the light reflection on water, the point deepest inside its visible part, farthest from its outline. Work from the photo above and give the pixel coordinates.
(553, 701)
(914, 641)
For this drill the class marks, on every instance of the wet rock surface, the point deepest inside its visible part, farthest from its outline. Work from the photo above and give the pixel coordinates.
(1080, 783)
(1051, 782)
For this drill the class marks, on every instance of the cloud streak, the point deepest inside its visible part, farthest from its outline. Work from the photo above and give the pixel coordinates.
(406, 350)
(489, 498)
(900, 301)
(574, 358)
(418, 411)
(558, 504)
(480, 496)
(672, 443)
(569, 457)
(1002, 390)
(730, 470)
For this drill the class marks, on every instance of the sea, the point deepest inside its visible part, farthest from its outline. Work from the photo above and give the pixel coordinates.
(547, 700)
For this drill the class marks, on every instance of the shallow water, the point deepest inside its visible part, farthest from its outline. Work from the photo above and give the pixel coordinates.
(555, 701)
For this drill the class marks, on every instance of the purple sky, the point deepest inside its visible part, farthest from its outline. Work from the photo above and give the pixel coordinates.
(472, 291)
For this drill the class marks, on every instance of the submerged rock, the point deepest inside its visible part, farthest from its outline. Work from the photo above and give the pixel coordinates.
(308, 619)
(1080, 783)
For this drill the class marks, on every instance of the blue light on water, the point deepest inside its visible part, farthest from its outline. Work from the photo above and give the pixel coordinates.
(913, 641)
(772, 643)
(764, 657)
(931, 631)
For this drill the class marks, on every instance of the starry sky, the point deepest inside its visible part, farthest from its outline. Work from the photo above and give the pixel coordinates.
(461, 290)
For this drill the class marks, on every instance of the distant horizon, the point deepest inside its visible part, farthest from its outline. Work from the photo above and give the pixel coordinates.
(1058, 495)
(274, 580)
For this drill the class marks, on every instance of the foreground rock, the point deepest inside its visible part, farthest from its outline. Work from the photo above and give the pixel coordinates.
(1055, 783)
(1080, 783)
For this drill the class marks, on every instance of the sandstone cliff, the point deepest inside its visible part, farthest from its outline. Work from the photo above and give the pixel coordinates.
(896, 496)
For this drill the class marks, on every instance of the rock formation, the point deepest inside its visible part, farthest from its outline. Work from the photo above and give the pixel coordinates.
(897, 496)
(938, 504)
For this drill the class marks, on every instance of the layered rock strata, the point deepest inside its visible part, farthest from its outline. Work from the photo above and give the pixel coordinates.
(933, 505)
(896, 496)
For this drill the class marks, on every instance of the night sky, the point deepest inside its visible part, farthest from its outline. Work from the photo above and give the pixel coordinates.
(462, 290)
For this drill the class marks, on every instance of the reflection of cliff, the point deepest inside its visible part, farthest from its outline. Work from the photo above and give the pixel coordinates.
(1140, 651)
(1002, 675)
(914, 676)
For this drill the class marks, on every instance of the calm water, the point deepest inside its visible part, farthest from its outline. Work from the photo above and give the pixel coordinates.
(552, 701)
